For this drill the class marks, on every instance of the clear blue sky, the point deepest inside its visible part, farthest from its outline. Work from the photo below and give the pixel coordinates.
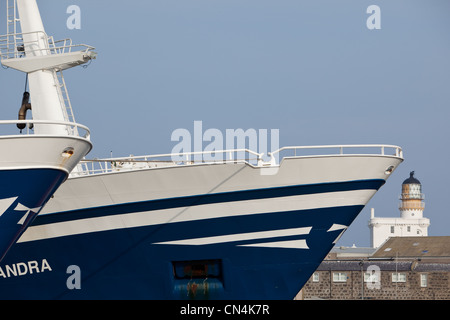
(311, 69)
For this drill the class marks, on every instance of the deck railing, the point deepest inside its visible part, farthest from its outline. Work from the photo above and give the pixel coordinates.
(96, 166)
(13, 46)
(72, 128)
(327, 150)
(108, 165)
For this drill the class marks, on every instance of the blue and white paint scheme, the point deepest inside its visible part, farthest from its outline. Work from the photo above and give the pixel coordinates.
(152, 227)
(217, 230)
(38, 158)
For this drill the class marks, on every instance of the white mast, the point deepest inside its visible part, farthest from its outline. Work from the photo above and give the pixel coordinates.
(46, 105)
(37, 54)
(56, 146)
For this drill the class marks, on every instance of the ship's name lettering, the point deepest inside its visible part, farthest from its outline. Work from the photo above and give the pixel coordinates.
(24, 268)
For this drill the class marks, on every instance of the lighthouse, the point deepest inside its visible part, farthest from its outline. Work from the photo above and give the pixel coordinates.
(411, 222)
(411, 200)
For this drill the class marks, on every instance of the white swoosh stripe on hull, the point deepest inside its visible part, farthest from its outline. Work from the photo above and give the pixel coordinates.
(289, 244)
(200, 212)
(5, 204)
(240, 237)
(336, 226)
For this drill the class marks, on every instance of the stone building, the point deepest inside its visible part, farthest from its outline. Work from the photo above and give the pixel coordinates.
(402, 268)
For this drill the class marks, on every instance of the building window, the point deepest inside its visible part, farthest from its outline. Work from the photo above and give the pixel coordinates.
(398, 277)
(392, 229)
(372, 277)
(424, 280)
(408, 228)
(339, 277)
(315, 277)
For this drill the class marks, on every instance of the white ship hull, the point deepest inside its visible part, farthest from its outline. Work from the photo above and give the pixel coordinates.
(240, 229)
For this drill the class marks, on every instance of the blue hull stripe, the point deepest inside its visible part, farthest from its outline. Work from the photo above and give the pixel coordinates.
(23, 192)
(126, 264)
(129, 264)
(208, 199)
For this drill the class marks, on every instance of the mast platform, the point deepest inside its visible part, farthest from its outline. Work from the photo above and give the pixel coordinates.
(57, 55)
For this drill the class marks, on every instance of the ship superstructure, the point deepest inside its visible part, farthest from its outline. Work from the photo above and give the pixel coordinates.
(37, 153)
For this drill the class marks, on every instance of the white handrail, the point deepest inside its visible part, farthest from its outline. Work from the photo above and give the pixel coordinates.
(51, 122)
(182, 154)
(9, 50)
(108, 165)
(382, 147)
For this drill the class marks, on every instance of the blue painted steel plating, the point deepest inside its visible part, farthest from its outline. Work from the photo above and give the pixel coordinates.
(130, 263)
(23, 192)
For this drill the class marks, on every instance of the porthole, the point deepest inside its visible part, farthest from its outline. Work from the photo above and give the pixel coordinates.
(389, 170)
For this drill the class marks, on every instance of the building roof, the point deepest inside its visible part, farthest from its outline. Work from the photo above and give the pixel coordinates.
(419, 254)
(414, 247)
(411, 179)
(393, 265)
(352, 265)
(342, 252)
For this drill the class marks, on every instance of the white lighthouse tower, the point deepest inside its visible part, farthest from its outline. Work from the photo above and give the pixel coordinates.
(411, 221)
